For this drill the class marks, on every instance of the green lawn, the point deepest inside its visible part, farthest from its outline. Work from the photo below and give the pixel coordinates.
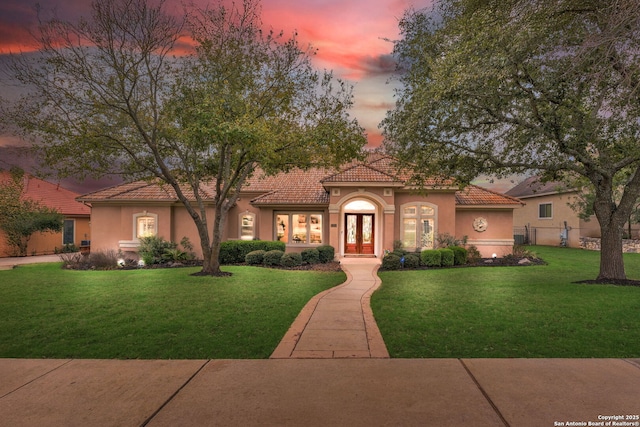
(511, 311)
(166, 314)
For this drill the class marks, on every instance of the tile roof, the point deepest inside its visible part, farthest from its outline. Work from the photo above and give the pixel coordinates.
(50, 195)
(153, 190)
(294, 187)
(472, 195)
(361, 173)
(303, 187)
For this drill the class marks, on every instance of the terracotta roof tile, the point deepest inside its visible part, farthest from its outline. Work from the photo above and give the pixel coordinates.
(292, 188)
(300, 187)
(474, 195)
(50, 195)
(143, 190)
(361, 173)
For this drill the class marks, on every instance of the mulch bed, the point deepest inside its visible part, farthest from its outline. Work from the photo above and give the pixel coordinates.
(617, 282)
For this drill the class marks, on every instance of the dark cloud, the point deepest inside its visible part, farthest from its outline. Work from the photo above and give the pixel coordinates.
(19, 19)
(378, 65)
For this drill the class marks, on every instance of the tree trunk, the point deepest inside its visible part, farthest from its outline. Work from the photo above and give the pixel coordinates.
(611, 261)
(211, 261)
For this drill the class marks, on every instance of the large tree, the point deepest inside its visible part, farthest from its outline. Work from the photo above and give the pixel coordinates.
(515, 86)
(21, 217)
(116, 93)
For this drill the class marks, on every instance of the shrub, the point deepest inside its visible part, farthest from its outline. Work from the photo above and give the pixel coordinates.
(153, 249)
(228, 252)
(520, 251)
(188, 247)
(411, 261)
(255, 257)
(399, 252)
(391, 262)
(66, 249)
(431, 258)
(473, 255)
(175, 254)
(273, 257)
(271, 245)
(235, 251)
(446, 240)
(326, 253)
(291, 259)
(75, 261)
(459, 255)
(99, 260)
(103, 260)
(447, 257)
(310, 256)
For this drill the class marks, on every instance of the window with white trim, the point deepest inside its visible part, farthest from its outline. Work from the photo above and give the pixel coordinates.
(247, 226)
(418, 225)
(299, 227)
(545, 210)
(145, 225)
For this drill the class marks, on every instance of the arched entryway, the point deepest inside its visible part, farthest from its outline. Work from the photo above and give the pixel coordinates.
(360, 230)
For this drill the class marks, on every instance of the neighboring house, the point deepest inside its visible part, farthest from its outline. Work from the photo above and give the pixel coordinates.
(547, 216)
(76, 216)
(360, 209)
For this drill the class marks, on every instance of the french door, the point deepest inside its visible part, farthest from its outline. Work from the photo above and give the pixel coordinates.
(359, 236)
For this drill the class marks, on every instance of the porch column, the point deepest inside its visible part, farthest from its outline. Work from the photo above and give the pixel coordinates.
(334, 229)
(389, 228)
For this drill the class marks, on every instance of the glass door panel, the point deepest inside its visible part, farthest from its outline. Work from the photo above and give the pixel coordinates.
(359, 236)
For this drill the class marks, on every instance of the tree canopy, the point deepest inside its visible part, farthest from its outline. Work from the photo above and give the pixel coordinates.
(22, 217)
(115, 93)
(536, 86)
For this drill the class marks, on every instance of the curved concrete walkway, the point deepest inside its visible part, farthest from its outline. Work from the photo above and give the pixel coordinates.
(338, 323)
(11, 262)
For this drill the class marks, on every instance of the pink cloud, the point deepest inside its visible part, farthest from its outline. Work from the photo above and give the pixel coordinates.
(349, 35)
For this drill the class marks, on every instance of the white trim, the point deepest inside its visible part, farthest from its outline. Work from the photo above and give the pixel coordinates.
(545, 217)
(382, 207)
(491, 242)
(128, 244)
(418, 217)
(135, 223)
(253, 225)
(289, 214)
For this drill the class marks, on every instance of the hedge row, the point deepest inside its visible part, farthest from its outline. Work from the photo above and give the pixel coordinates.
(235, 251)
(277, 257)
(454, 255)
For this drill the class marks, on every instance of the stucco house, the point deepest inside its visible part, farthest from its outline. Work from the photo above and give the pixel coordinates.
(359, 209)
(76, 216)
(547, 216)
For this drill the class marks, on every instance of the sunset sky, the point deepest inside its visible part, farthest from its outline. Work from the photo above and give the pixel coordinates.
(349, 35)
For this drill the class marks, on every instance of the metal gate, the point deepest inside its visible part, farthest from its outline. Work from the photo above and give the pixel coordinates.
(524, 235)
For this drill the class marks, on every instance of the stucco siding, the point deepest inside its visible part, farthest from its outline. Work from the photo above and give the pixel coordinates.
(498, 235)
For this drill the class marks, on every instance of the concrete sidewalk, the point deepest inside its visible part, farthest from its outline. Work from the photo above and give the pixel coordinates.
(336, 392)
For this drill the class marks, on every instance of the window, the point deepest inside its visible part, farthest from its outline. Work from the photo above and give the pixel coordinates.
(418, 226)
(247, 226)
(299, 228)
(145, 225)
(68, 232)
(545, 210)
